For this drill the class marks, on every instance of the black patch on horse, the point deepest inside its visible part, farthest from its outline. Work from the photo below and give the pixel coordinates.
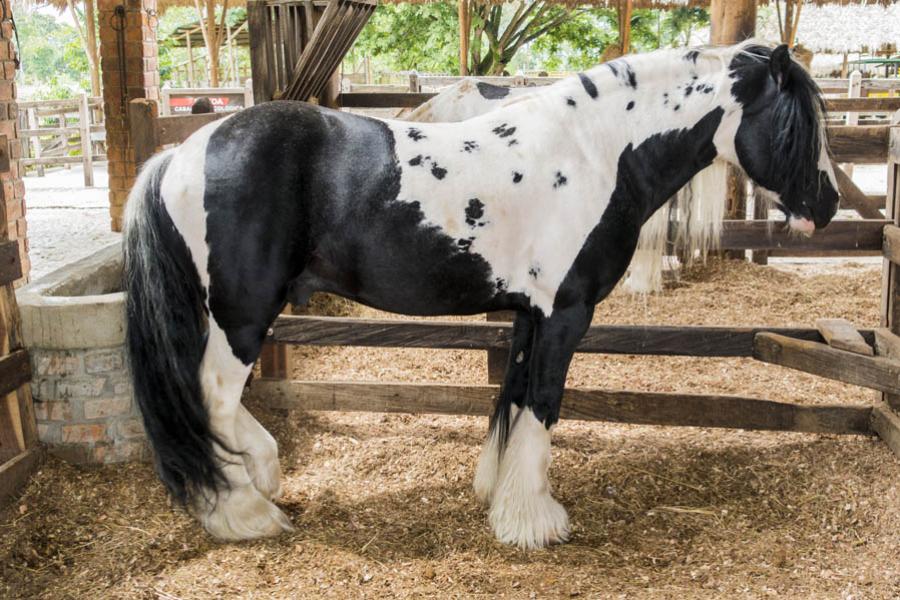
(688, 90)
(416, 134)
(571, 101)
(504, 130)
(474, 212)
(692, 56)
(464, 243)
(561, 180)
(470, 146)
(534, 271)
(438, 172)
(492, 92)
(589, 86)
(630, 105)
(517, 177)
(415, 161)
(630, 77)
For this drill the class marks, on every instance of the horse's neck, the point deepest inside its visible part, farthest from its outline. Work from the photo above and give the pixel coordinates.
(664, 138)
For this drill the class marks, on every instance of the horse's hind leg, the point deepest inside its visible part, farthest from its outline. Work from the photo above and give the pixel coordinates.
(509, 402)
(240, 511)
(261, 458)
(523, 511)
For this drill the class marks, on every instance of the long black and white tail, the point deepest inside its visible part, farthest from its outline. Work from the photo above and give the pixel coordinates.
(166, 339)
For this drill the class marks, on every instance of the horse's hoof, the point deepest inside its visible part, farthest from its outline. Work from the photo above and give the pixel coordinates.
(529, 522)
(242, 513)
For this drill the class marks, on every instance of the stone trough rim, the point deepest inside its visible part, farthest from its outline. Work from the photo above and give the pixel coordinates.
(69, 322)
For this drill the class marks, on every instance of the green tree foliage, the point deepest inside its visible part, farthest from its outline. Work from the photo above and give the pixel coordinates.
(53, 63)
(423, 37)
(577, 44)
(580, 43)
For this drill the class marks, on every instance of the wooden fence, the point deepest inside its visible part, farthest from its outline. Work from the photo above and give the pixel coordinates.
(833, 349)
(75, 134)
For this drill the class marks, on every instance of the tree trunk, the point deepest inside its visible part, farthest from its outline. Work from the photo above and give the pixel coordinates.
(87, 35)
(212, 36)
(90, 24)
(625, 13)
(464, 27)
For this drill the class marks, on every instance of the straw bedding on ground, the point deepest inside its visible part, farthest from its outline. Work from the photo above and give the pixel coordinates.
(383, 506)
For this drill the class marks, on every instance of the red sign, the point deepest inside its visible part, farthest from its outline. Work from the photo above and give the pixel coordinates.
(223, 103)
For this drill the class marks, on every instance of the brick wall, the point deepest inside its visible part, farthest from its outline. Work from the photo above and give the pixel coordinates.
(141, 80)
(84, 405)
(13, 188)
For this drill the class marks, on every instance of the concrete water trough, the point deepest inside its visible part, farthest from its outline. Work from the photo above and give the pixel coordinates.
(73, 324)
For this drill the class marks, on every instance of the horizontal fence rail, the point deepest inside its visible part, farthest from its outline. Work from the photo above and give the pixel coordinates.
(476, 335)
(642, 408)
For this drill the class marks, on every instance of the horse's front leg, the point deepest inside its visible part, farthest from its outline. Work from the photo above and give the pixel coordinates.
(509, 402)
(523, 512)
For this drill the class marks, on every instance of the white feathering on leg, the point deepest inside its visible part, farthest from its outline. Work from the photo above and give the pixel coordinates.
(489, 462)
(523, 512)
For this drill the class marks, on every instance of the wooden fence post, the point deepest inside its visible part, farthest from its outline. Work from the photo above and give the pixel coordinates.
(142, 115)
(854, 90)
(497, 359)
(87, 159)
(33, 124)
(891, 272)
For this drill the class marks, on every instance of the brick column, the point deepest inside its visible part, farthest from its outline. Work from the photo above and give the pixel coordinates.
(133, 75)
(13, 199)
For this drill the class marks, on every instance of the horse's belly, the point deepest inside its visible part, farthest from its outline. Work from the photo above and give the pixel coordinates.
(409, 270)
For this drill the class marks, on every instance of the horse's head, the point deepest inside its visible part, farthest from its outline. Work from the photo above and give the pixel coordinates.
(780, 140)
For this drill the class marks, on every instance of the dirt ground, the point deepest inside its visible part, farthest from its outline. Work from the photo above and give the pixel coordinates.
(383, 505)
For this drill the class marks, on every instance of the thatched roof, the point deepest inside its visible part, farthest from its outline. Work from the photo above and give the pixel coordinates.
(663, 4)
(843, 28)
(161, 5)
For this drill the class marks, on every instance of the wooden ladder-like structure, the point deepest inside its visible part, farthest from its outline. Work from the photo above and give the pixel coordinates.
(296, 46)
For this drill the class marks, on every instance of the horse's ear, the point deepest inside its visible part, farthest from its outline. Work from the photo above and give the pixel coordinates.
(780, 65)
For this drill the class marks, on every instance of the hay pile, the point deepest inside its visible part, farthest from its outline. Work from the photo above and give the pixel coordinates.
(383, 505)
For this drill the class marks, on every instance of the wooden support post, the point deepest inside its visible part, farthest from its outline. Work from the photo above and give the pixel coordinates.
(886, 423)
(625, 10)
(87, 160)
(760, 213)
(854, 90)
(463, 10)
(142, 115)
(33, 124)
(258, 27)
(275, 358)
(497, 359)
(890, 300)
(190, 60)
(733, 21)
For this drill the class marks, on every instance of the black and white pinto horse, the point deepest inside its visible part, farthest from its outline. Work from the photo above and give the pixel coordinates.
(535, 207)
